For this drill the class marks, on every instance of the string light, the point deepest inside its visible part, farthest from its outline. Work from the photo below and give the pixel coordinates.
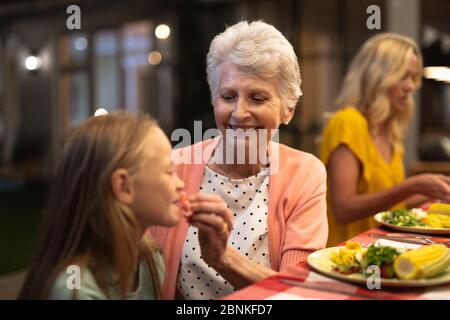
(162, 31)
(100, 112)
(154, 58)
(32, 63)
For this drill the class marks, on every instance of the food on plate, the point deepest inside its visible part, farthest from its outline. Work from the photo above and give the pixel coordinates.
(185, 205)
(437, 216)
(439, 208)
(435, 220)
(425, 262)
(348, 259)
(404, 217)
(383, 257)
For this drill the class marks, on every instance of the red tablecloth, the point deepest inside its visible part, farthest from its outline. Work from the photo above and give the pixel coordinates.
(300, 282)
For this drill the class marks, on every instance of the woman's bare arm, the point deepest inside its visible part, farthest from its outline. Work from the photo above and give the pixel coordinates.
(344, 171)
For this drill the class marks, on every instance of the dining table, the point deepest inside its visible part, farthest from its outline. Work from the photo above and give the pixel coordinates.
(301, 282)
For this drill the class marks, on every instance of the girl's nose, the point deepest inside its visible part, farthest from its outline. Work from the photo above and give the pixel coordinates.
(179, 183)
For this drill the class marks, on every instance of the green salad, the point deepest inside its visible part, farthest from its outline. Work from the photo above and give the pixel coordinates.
(403, 218)
(382, 257)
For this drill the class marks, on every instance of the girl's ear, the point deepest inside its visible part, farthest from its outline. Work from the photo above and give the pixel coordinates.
(122, 187)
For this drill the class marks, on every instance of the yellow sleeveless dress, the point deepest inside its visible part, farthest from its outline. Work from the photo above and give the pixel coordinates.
(349, 127)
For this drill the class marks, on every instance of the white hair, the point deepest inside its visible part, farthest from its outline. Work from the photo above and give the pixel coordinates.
(261, 49)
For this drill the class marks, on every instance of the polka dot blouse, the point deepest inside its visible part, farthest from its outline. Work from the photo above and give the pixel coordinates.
(248, 201)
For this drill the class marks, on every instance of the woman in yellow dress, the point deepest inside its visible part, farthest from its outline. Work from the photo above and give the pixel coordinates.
(362, 145)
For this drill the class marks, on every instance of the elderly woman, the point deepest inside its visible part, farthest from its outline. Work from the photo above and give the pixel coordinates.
(362, 145)
(278, 207)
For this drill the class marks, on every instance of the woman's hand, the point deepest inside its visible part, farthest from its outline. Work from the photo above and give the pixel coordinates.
(213, 220)
(436, 186)
(344, 171)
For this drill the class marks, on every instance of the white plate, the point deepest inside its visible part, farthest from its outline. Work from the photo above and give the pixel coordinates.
(422, 230)
(321, 262)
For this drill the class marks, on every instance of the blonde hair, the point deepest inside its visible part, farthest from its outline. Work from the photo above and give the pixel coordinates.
(261, 49)
(85, 223)
(379, 64)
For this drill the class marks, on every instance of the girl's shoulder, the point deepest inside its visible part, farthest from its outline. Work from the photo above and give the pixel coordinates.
(75, 282)
(159, 262)
(152, 247)
(79, 283)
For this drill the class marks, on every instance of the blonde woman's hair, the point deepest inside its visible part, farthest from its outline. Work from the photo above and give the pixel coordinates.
(261, 49)
(379, 64)
(85, 224)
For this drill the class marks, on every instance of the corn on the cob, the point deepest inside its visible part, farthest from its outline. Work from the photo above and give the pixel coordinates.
(439, 208)
(425, 262)
(437, 220)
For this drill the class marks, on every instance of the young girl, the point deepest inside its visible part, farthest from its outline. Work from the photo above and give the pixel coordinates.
(115, 179)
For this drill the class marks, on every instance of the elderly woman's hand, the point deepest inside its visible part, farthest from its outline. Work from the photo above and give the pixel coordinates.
(213, 220)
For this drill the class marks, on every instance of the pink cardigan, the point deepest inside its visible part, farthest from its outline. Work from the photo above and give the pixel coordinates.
(297, 218)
